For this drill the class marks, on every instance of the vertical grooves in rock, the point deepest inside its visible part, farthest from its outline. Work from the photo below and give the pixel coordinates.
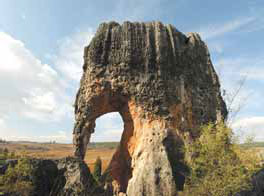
(172, 41)
(167, 86)
(157, 47)
(171, 53)
(150, 48)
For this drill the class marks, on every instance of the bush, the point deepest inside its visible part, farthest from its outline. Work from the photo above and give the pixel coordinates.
(97, 169)
(17, 178)
(5, 152)
(218, 167)
(2, 162)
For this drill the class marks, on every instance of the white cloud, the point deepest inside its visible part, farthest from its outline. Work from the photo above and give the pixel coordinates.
(69, 59)
(43, 102)
(60, 136)
(36, 91)
(248, 97)
(19, 138)
(109, 127)
(213, 31)
(254, 73)
(250, 67)
(28, 86)
(8, 49)
(251, 126)
(5, 131)
(2, 123)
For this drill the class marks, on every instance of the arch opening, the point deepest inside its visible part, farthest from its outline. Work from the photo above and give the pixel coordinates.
(109, 128)
(105, 139)
(113, 131)
(119, 171)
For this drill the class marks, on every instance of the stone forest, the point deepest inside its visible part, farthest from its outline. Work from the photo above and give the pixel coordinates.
(164, 86)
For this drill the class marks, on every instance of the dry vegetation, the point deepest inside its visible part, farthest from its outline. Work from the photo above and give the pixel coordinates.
(104, 150)
(54, 151)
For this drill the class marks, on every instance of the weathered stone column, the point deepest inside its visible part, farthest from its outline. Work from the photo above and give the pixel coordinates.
(163, 84)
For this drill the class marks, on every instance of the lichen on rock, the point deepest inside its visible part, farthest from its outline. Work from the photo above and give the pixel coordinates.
(163, 84)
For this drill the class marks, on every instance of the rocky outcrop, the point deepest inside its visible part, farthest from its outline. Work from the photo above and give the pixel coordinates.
(164, 86)
(74, 179)
(257, 184)
(64, 177)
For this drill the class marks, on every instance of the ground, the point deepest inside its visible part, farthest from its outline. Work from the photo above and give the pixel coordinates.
(104, 149)
(54, 151)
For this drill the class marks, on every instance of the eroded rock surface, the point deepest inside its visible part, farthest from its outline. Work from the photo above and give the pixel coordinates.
(163, 84)
(68, 176)
(74, 179)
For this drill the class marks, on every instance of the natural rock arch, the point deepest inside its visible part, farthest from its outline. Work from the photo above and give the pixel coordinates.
(163, 84)
(120, 165)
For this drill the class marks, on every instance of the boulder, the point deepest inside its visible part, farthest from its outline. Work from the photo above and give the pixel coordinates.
(74, 179)
(257, 184)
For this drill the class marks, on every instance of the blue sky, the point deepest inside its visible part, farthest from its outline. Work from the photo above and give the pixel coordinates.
(41, 48)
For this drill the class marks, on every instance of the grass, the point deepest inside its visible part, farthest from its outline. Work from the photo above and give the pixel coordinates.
(2, 162)
(103, 149)
(54, 151)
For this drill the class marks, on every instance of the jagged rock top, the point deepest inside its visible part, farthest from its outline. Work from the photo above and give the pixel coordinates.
(147, 47)
(155, 64)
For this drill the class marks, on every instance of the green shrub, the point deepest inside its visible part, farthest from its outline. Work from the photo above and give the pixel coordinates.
(17, 179)
(5, 153)
(218, 167)
(2, 162)
(97, 169)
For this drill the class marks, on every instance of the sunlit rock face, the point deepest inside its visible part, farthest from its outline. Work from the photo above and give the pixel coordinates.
(164, 86)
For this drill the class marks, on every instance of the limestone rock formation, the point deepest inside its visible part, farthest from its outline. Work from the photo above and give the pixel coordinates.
(63, 177)
(73, 179)
(164, 86)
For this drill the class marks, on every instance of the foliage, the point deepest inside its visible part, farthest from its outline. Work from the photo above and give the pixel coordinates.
(97, 169)
(5, 154)
(17, 178)
(218, 166)
(2, 162)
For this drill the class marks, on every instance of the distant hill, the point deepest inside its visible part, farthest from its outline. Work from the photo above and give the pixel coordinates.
(254, 144)
(110, 145)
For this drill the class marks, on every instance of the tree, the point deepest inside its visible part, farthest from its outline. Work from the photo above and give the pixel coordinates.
(235, 100)
(97, 169)
(218, 166)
